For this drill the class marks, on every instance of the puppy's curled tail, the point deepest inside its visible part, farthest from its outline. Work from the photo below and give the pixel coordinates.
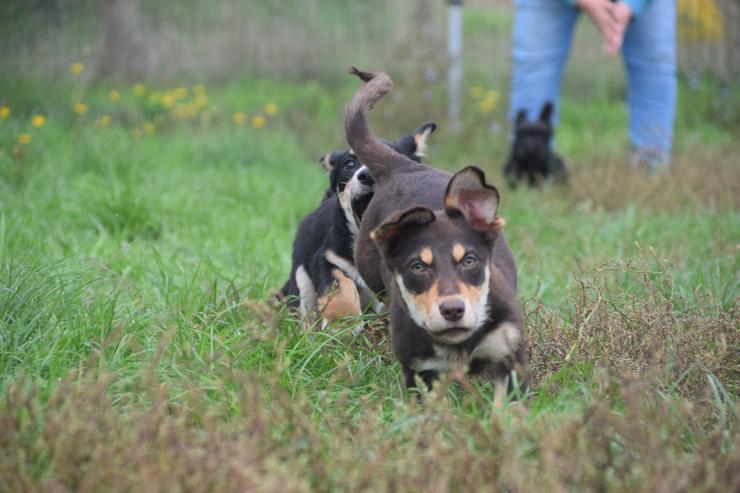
(378, 157)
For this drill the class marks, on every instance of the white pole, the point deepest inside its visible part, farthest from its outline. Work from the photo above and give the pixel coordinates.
(454, 51)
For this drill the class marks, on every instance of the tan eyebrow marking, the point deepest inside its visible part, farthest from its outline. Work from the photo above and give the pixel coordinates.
(426, 256)
(458, 252)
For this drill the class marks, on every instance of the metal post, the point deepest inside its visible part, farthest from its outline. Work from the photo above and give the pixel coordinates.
(454, 51)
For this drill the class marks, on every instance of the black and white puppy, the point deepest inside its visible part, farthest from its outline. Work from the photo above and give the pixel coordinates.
(323, 275)
(532, 158)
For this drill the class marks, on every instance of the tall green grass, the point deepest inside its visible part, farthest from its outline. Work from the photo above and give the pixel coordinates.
(140, 347)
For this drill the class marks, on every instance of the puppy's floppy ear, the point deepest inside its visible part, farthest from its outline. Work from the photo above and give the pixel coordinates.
(469, 194)
(521, 117)
(325, 162)
(397, 221)
(415, 145)
(546, 112)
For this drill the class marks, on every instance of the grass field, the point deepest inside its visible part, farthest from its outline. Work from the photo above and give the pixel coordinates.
(141, 241)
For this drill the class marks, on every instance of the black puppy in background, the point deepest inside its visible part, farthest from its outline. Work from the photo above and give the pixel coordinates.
(532, 159)
(323, 275)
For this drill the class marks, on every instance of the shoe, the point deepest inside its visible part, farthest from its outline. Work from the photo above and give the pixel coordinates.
(649, 159)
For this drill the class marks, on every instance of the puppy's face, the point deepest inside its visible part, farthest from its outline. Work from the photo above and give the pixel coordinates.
(532, 142)
(532, 138)
(441, 261)
(442, 273)
(351, 180)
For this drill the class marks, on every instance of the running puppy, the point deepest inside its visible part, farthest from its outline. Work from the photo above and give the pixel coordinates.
(532, 159)
(323, 274)
(435, 244)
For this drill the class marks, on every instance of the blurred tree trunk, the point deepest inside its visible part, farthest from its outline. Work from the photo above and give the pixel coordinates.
(123, 53)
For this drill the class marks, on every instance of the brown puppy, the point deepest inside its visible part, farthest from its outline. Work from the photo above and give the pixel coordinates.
(435, 245)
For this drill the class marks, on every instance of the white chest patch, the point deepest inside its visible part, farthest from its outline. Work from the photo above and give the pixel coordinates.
(352, 190)
(345, 201)
(443, 360)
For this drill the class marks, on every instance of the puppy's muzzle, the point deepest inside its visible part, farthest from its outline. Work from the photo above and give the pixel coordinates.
(452, 310)
(363, 176)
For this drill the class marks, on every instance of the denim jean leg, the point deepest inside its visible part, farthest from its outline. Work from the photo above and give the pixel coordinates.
(542, 37)
(649, 51)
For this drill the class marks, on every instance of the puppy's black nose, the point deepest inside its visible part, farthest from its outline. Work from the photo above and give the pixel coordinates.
(364, 177)
(452, 310)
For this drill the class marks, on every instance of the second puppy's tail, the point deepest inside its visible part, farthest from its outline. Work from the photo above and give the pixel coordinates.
(379, 158)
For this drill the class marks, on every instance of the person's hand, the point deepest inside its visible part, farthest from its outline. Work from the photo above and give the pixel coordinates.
(621, 13)
(600, 12)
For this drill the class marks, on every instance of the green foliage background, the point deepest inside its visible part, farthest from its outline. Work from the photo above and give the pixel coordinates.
(138, 263)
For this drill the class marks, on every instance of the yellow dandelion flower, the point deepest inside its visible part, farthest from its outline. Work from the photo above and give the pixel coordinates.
(103, 121)
(180, 93)
(271, 109)
(700, 20)
(114, 96)
(489, 102)
(239, 118)
(149, 128)
(168, 100)
(38, 121)
(80, 108)
(24, 139)
(139, 89)
(201, 100)
(136, 133)
(77, 68)
(485, 106)
(476, 92)
(199, 89)
(4, 111)
(258, 121)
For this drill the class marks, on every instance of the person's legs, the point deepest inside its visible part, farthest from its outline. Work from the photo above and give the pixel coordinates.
(649, 51)
(541, 42)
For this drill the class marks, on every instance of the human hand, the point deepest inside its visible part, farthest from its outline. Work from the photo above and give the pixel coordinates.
(601, 14)
(621, 13)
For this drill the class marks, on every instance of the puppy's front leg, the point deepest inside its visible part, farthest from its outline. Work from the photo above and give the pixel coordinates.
(508, 378)
(427, 376)
(499, 392)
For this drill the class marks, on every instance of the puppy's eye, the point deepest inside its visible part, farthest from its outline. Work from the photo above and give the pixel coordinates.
(349, 163)
(418, 267)
(469, 261)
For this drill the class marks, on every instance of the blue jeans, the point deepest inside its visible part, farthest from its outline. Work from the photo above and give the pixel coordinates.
(542, 36)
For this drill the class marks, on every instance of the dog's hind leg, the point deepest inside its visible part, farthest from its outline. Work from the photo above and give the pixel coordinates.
(367, 296)
(340, 300)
